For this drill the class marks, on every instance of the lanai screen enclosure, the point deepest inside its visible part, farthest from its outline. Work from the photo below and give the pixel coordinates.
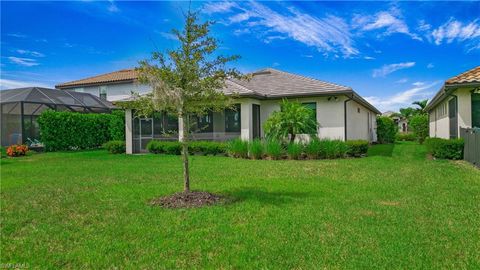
(21, 107)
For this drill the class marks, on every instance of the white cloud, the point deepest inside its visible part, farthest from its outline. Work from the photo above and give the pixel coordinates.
(390, 22)
(404, 80)
(27, 62)
(387, 69)
(168, 35)
(307, 55)
(454, 30)
(368, 58)
(430, 65)
(216, 7)
(17, 35)
(403, 98)
(329, 35)
(112, 7)
(9, 84)
(30, 53)
(418, 84)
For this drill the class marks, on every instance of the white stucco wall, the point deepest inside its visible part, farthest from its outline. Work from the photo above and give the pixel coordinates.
(440, 124)
(115, 91)
(359, 122)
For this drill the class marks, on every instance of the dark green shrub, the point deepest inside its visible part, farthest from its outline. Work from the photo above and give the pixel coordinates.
(419, 124)
(115, 147)
(72, 131)
(446, 149)
(172, 148)
(294, 150)
(312, 149)
(255, 149)
(333, 149)
(3, 152)
(206, 147)
(357, 148)
(156, 147)
(409, 137)
(238, 148)
(117, 125)
(273, 148)
(386, 129)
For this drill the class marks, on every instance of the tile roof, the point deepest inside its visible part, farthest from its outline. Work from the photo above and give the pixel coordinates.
(271, 83)
(112, 77)
(470, 76)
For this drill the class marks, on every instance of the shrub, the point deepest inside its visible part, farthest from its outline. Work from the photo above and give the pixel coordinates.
(294, 150)
(117, 125)
(312, 149)
(172, 148)
(405, 137)
(115, 147)
(155, 147)
(255, 149)
(333, 149)
(206, 147)
(17, 150)
(273, 148)
(443, 148)
(238, 148)
(386, 129)
(419, 125)
(71, 131)
(357, 148)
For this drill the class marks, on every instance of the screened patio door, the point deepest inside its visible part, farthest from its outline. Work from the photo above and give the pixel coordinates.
(146, 132)
(452, 115)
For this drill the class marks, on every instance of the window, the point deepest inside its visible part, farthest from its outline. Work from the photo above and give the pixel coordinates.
(442, 110)
(103, 92)
(232, 119)
(204, 123)
(313, 107)
(476, 110)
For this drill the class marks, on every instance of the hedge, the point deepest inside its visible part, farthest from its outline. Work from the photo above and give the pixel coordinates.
(115, 147)
(195, 147)
(386, 130)
(445, 148)
(419, 124)
(357, 148)
(408, 136)
(72, 131)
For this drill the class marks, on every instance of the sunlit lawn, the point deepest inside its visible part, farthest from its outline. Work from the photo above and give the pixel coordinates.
(393, 209)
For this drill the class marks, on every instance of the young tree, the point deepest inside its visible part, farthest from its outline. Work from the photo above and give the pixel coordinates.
(422, 104)
(186, 81)
(292, 119)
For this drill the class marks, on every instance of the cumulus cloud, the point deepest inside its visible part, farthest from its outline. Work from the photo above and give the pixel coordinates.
(420, 90)
(387, 69)
(27, 62)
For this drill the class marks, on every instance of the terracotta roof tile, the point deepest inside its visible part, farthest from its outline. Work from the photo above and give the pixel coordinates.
(116, 76)
(470, 76)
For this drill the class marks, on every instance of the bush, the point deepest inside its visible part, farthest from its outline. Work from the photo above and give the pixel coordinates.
(357, 148)
(115, 147)
(164, 147)
(17, 150)
(410, 137)
(312, 149)
(117, 126)
(206, 147)
(333, 149)
(294, 150)
(446, 149)
(255, 149)
(71, 131)
(238, 148)
(419, 125)
(386, 130)
(273, 148)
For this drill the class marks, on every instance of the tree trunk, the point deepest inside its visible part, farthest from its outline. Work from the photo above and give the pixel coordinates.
(183, 125)
(292, 137)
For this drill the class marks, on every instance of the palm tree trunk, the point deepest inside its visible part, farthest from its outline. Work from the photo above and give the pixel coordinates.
(183, 125)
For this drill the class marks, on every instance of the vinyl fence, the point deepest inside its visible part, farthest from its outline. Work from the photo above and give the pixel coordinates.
(472, 145)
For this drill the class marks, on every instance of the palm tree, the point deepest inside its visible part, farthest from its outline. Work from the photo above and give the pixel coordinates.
(422, 104)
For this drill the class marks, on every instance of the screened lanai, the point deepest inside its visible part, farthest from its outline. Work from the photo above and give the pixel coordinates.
(21, 107)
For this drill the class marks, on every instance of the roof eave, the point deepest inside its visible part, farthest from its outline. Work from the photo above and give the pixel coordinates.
(68, 86)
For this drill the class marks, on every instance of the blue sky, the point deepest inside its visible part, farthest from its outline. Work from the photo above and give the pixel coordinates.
(391, 53)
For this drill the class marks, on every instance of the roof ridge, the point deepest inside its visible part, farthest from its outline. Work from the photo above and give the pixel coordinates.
(96, 76)
(304, 77)
(462, 74)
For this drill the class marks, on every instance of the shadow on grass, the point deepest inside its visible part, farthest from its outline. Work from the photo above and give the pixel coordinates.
(383, 150)
(265, 197)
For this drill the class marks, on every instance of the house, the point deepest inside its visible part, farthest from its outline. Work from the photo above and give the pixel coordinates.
(456, 105)
(112, 86)
(340, 112)
(400, 121)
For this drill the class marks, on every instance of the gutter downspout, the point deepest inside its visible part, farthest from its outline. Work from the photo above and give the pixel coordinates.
(345, 114)
(456, 113)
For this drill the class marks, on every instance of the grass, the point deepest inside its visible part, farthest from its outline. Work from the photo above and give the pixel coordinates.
(393, 209)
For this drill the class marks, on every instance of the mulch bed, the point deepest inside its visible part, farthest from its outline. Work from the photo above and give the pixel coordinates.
(188, 200)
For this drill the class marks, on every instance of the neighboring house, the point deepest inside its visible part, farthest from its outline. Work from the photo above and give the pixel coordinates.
(456, 105)
(340, 112)
(401, 122)
(112, 86)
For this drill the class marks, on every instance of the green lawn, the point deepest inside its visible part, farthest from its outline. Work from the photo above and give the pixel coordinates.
(393, 209)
